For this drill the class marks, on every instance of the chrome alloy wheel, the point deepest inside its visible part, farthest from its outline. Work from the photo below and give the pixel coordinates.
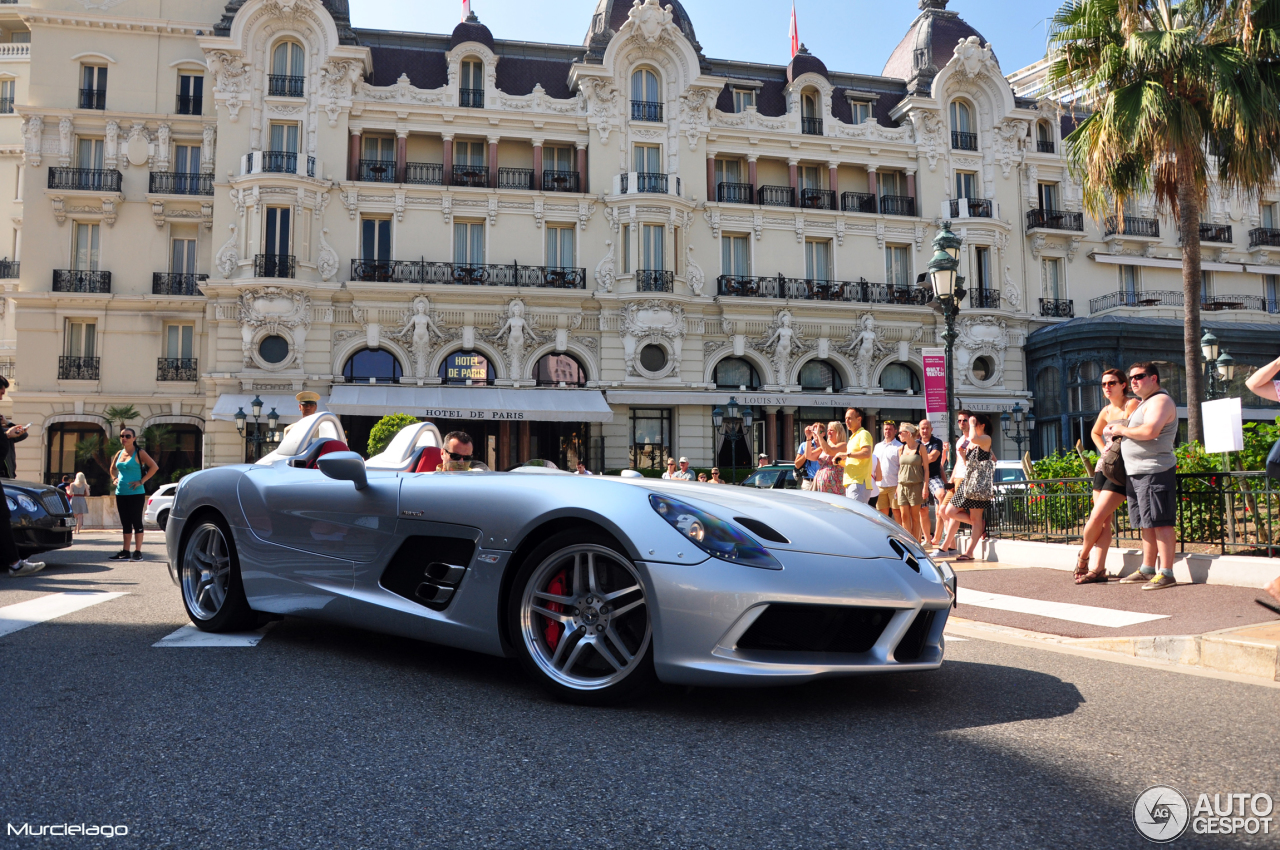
(206, 571)
(584, 617)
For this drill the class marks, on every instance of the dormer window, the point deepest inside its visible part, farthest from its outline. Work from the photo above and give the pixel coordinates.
(471, 84)
(743, 98)
(288, 70)
(810, 114)
(646, 99)
(963, 138)
(1044, 137)
(860, 111)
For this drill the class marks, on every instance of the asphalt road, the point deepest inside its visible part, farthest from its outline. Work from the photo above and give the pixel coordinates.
(329, 737)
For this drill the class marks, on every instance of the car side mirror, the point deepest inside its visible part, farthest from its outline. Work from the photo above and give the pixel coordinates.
(344, 466)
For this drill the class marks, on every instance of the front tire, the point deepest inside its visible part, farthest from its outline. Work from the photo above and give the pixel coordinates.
(162, 519)
(579, 616)
(209, 573)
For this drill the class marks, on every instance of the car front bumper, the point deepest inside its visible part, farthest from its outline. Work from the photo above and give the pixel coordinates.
(701, 614)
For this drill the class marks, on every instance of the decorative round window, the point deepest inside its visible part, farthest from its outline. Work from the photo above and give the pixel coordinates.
(653, 358)
(273, 349)
(983, 368)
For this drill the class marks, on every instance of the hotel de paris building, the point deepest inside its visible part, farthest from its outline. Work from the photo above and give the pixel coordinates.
(571, 251)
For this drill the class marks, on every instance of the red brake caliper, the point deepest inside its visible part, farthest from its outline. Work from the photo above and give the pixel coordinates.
(553, 630)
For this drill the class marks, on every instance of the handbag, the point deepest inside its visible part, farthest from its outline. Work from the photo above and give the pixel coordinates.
(979, 483)
(1273, 461)
(1111, 464)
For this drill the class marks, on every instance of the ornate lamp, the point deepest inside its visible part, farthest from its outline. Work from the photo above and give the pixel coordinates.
(1209, 345)
(1226, 366)
(240, 418)
(256, 406)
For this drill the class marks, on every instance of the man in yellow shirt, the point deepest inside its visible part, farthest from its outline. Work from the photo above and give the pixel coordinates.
(857, 465)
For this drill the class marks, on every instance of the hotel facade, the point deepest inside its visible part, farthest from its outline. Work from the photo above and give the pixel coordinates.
(571, 251)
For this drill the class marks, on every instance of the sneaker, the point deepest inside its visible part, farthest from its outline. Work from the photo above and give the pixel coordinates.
(137, 555)
(1160, 582)
(122, 555)
(1136, 577)
(26, 568)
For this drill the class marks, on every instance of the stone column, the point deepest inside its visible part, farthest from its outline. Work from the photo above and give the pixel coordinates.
(353, 155)
(771, 433)
(871, 185)
(752, 179)
(582, 167)
(537, 165)
(711, 177)
(493, 162)
(402, 153)
(448, 160)
(793, 166)
(911, 188)
(524, 443)
(504, 445)
(833, 180)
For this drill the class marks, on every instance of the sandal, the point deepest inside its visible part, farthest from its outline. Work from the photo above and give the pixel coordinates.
(964, 557)
(1098, 575)
(1082, 567)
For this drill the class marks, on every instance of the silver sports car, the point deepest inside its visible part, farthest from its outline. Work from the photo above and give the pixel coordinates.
(596, 584)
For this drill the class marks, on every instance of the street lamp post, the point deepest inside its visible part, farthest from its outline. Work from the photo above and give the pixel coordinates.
(1022, 424)
(1219, 366)
(948, 289)
(731, 424)
(258, 438)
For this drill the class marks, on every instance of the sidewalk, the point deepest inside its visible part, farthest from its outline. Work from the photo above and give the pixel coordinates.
(1214, 626)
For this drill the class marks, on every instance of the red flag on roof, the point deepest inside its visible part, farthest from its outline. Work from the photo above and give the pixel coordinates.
(466, 9)
(795, 32)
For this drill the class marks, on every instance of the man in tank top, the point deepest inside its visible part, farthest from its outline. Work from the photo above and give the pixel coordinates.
(1147, 448)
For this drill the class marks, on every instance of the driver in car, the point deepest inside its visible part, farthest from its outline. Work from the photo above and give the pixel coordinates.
(457, 452)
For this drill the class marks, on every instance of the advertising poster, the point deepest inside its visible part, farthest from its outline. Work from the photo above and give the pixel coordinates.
(935, 387)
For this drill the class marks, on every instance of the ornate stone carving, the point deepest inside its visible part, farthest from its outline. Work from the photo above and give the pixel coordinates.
(209, 137)
(649, 20)
(979, 335)
(402, 91)
(1011, 295)
(230, 79)
(1009, 138)
(693, 274)
(520, 337)
(652, 321)
(604, 100)
(605, 269)
(420, 323)
(693, 114)
(327, 260)
(32, 131)
(228, 257)
(782, 343)
(337, 83)
(162, 148)
(865, 347)
(274, 310)
(64, 141)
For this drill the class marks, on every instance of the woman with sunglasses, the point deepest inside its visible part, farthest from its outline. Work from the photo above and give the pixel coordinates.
(128, 477)
(1107, 496)
(830, 478)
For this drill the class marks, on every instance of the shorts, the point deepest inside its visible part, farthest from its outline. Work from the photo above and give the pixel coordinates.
(1103, 484)
(888, 499)
(910, 495)
(130, 510)
(937, 488)
(860, 492)
(1153, 499)
(806, 484)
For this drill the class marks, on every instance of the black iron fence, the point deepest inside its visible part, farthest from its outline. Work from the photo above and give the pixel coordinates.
(471, 175)
(77, 368)
(515, 178)
(1058, 308)
(655, 280)
(818, 199)
(283, 85)
(471, 98)
(190, 104)
(274, 265)
(802, 289)
(377, 171)
(176, 283)
(93, 98)
(897, 205)
(776, 196)
(1044, 147)
(177, 369)
(559, 181)
(1269, 236)
(1055, 220)
(423, 271)
(646, 110)
(735, 193)
(863, 202)
(180, 183)
(1131, 225)
(1143, 298)
(811, 126)
(9, 268)
(424, 173)
(81, 280)
(964, 141)
(1215, 232)
(88, 179)
(973, 207)
(984, 298)
(1227, 511)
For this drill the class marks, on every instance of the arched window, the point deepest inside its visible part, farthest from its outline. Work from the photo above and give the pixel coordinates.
(463, 367)
(644, 86)
(1044, 137)
(179, 451)
(820, 375)
(734, 373)
(809, 104)
(961, 117)
(898, 378)
(288, 70)
(471, 83)
(1084, 391)
(372, 365)
(552, 370)
(79, 447)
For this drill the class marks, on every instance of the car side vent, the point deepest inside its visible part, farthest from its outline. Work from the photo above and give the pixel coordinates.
(428, 570)
(761, 529)
(901, 552)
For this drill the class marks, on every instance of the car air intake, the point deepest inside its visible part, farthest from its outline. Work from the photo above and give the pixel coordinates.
(428, 570)
(785, 627)
(54, 503)
(760, 529)
(907, 557)
(912, 644)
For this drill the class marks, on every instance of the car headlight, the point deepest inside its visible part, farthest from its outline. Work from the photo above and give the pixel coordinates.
(11, 502)
(27, 503)
(713, 535)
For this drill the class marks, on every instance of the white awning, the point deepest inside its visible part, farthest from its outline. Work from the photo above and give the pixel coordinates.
(286, 405)
(1165, 263)
(639, 398)
(1250, 267)
(495, 404)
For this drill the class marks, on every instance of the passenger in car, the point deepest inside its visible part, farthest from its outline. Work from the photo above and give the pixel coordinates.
(457, 452)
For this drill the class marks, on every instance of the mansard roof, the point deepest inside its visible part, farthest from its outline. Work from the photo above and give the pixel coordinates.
(609, 17)
(337, 8)
(928, 46)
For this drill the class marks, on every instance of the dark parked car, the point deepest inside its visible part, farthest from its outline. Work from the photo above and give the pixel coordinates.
(40, 517)
(777, 476)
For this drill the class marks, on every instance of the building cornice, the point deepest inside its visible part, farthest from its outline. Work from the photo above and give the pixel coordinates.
(117, 23)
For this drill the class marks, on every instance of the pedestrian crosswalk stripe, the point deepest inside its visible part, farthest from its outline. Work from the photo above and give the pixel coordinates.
(950, 637)
(22, 614)
(1087, 614)
(189, 635)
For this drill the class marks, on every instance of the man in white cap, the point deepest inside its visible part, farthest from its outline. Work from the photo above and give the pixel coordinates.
(684, 474)
(307, 404)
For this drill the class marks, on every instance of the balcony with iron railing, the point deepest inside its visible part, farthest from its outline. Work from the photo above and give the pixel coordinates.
(818, 199)
(803, 289)
(811, 126)
(646, 110)
(274, 265)
(969, 208)
(377, 171)
(1043, 146)
(464, 274)
(1264, 236)
(474, 176)
(276, 162)
(1136, 298)
(1215, 232)
(652, 182)
(964, 141)
(283, 85)
(9, 268)
(81, 280)
(897, 205)
(560, 181)
(424, 173)
(1042, 219)
(776, 196)
(1057, 308)
(177, 369)
(180, 183)
(863, 202)
(1131, 225)
(515, 178)
(190, 104)
(471, 98)
(84, 179)
(72, 368)
(735, 193)
(1215, 303)
(655, 280)
(93, 98)
(984, 299)
(176, 283)
(6, 106)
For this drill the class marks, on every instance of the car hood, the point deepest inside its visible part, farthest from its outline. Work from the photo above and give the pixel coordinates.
(812, 522)
(27, 486)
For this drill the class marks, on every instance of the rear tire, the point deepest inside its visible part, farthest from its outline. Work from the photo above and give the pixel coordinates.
(162, 519)
(209, 574)
(579, 618)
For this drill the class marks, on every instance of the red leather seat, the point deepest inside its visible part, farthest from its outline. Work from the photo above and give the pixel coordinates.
(325, 447)
(430, 460)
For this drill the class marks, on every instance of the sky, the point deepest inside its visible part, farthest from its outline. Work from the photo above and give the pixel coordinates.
(848, 35)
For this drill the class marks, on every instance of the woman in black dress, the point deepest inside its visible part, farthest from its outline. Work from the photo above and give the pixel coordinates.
(978, 481)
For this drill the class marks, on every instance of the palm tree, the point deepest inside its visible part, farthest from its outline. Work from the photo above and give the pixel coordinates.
(1177, 95)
